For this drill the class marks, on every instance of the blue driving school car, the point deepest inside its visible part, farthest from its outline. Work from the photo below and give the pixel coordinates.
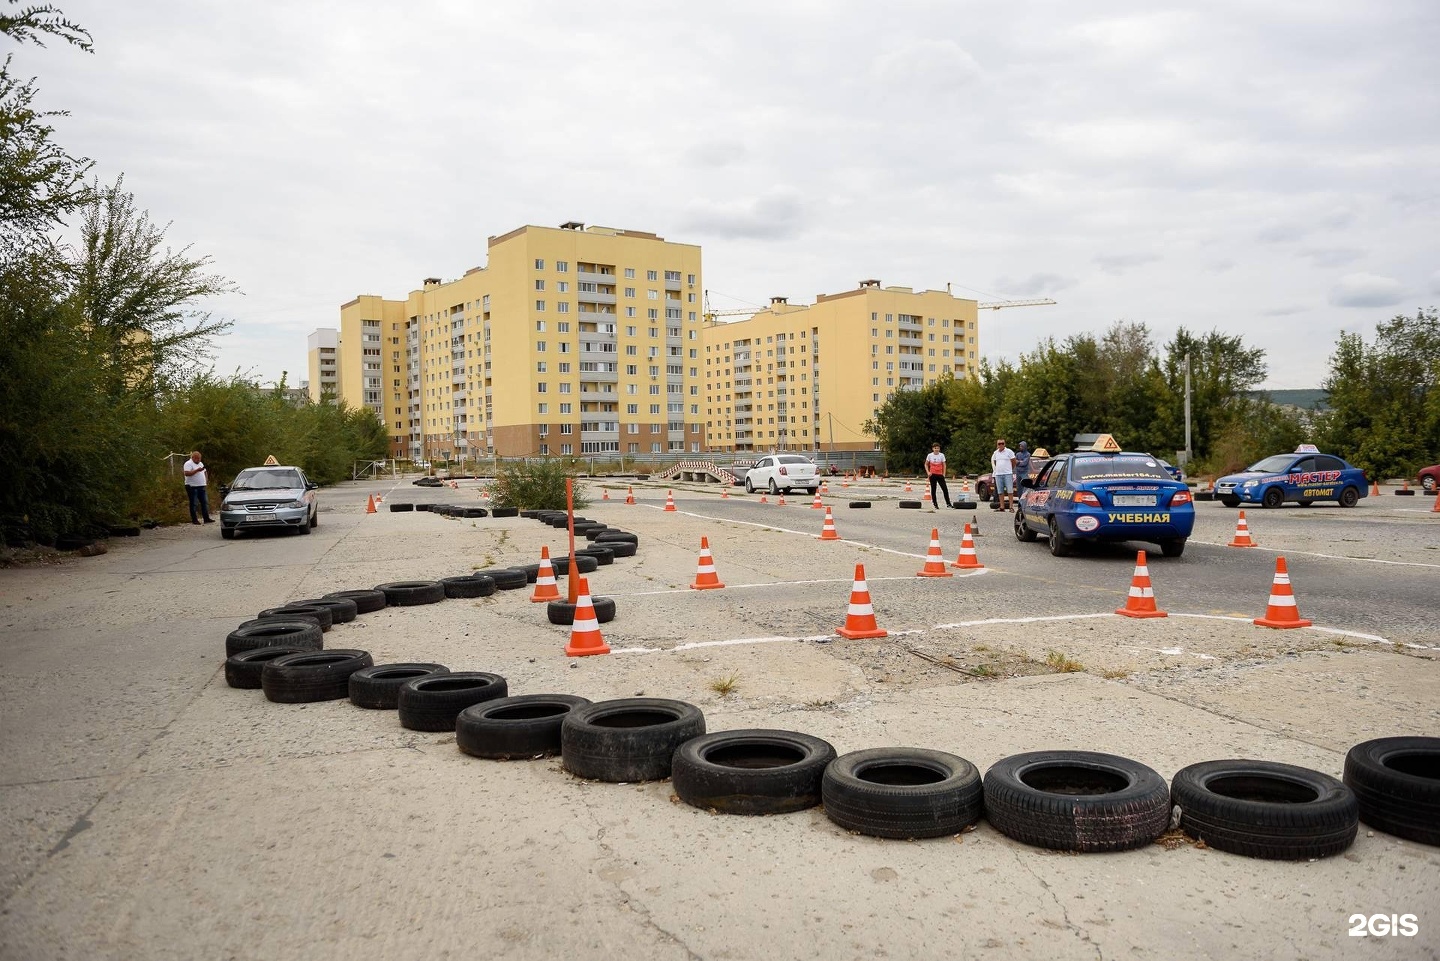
(1105, 494)
(1303, 478)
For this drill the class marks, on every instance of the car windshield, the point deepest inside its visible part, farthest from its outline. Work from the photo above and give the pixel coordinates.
(791, 460)
(1272, 465)
(266, 480)
(1117, 467)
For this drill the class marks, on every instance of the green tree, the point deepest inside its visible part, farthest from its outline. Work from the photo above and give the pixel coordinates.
(909, 422)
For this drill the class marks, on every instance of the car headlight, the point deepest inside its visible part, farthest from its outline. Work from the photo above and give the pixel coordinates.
(288, 504)
(1249, 483)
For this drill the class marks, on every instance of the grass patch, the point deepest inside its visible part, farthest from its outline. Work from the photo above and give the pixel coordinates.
(1062, 664)
(1115, 673)
(725, 685)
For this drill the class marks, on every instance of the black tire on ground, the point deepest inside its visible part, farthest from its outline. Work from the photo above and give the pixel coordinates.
(468, 585)
(563, 612)
(1272, 498)
(1022, 533)
(324, 615)
(903, 793)
(412, 593)
(272, 618)
(401, 508)
(1349, 497)
(858, 504)
(433, 703)
(557, 521)
(511, 728)
(242, 670)
(982, 491)
(227, 533)
(378, 687)
(298, 634)
(428, 508)
(909, 505)
(312, 676)
(506, 512)
(583, 564)
(593, 534)
(1396, 780)
(603, 555)
(505, 578)
(1173, 547)
(1204, 495)
(1230, 501)
(1305, 503)
(1060, 546)
(342, 609)
(621, 548)
(532, 573)
(473, 512)
(751, 771)
(444, 510)
(1076, 801)
(966, 505)
(366, 602)
(1265, 810)
(626, 740)
(616, 535)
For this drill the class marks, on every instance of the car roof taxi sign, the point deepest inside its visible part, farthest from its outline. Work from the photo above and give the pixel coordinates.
(1105, 444)
(1307, 449)
(271, 461)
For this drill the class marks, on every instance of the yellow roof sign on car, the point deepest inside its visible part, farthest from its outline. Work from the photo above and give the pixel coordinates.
(1105, 444)
(271, 461)
(1040, 452)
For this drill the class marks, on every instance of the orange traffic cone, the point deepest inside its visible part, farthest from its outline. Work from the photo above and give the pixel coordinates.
(780, 501)
(1282, 611)
(605, 495)
(764, 499)
(545, 588)
(705, 577)
(630, 494)
(925, 497)
(934, 560)
(967, 558)
(1436, 508)
(585, 636)
(379, 499)
(724, 493)
(670, 501)
(1242, 534)
(370, 505)
(1375, 488)
(828, 532)
(825, 488)
(860, 617)
(816, 505)
(845, 481)
(908, 488)
(485, 494)
(1141, 602)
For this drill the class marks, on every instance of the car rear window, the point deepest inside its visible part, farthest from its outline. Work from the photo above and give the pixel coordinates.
(792, 460)
(1117, 467)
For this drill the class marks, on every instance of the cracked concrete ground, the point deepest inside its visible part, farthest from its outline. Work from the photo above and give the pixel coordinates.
(151, 811)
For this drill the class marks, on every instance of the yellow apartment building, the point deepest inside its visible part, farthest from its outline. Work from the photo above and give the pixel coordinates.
(570, 340)
(808, 377)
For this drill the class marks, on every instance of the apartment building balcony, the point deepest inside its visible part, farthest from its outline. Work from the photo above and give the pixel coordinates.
(599, 397)
(599, 435)
(743, 381)
(458, 393)
(601, 376)
(672, 285)
(907, 322)
(742, 358)
(594, 297)
(590, 276)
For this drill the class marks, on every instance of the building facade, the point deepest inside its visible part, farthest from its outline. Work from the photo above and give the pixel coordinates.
(570, 340)
(808, 377)
(324, 347)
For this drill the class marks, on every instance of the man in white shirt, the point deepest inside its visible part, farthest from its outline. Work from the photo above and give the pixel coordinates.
(935, 467)
(1002, 468)
(196, 479)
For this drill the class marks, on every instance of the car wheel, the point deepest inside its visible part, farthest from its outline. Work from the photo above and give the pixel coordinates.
(305, 527)
(1023, 533)
(773, 488)
(228, 533)
(812, 491)
(315, 518)
(1173, 547)
(1059, 546)
(749, 487)
(1349, 497)
(1230, 501)
(1305, 503)
(1273, 498)
(1428, 483)
(982, 492)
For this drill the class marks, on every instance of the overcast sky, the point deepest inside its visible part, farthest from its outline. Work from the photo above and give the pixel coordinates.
(1268, 169)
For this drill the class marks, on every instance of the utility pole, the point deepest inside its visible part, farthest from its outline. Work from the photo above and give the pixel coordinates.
(1188, 452)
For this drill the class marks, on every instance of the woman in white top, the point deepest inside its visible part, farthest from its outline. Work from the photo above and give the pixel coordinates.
(935, 467)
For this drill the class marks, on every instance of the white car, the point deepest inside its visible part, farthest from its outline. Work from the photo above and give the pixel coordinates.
(783, 472)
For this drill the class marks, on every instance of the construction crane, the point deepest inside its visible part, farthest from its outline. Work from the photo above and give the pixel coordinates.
(997, 304)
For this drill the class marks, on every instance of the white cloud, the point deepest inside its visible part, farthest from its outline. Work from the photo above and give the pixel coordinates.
(1367, 290)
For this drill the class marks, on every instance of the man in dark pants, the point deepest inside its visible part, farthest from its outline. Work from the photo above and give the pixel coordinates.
(935, 467)
(196, 479)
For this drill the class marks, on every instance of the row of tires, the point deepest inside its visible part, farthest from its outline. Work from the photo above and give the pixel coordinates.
(454, 510)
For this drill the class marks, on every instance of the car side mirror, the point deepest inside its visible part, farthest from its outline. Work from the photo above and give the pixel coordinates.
(1026, 482)
(312, 486)
(224, 490)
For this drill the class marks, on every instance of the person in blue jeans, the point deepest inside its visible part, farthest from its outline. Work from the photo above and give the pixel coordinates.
(196, 481)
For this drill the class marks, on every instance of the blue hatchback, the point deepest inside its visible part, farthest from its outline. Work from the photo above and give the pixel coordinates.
(1303, 478)
(1100, 496)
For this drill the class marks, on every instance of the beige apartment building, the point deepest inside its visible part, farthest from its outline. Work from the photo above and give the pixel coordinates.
(570, 340)
(807, 378)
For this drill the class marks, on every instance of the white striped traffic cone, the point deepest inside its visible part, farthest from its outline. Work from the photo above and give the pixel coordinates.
(1141, 602)
(860, 616)
(705, 577)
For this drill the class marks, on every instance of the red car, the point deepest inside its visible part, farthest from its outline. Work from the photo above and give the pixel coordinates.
(1430, 477)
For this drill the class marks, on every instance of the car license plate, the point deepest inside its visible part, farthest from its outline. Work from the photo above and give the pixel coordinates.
(261, 517)
(1134, 500)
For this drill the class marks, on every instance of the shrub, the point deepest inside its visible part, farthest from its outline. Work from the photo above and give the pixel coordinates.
(535, 485)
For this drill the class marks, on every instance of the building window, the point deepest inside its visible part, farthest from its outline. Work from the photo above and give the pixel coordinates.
(539, 305)
(629, 291)
(540, 346)
(540, 326)
(539, 285)
(539, 264)
(563, 307)
(651, 275)
(562, 266)
(567, 448)
(629, 273)
(545, 449)
(540, 367)
(542, 408)
(541, 387)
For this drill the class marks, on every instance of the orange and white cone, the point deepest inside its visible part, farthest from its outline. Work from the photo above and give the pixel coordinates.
(705, 577)
(780, 501)
(630, 494)
(816, 504)
(1282, 611)
(1141, 602)
(764, 499)
(370, 505)
(935, 559)
(828, 532)
(605, 495)
(967, 559)
(669, 501)
(845, 481)
(860, 616)
(545, 587)
(585, 636)
(925, 497)
(908, 488)
(825, 488)
(724, 493)
(1242, 534)
(379, 499)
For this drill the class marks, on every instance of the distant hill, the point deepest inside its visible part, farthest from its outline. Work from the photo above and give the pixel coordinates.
(1312, 399)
